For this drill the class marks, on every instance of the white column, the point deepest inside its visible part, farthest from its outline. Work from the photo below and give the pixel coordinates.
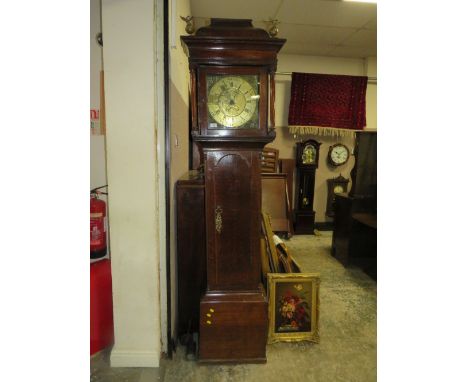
(132, 171)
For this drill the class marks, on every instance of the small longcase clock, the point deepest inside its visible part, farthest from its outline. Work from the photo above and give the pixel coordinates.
(307, 160)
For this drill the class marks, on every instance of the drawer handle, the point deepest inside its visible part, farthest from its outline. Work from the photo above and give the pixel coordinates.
(208, 315)
(208, 322)
(218, 219)
(211, 310)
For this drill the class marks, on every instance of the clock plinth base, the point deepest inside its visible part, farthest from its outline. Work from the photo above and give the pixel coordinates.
(304, 222)
(233, 327)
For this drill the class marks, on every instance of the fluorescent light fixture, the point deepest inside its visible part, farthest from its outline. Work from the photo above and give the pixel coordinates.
(362, 1)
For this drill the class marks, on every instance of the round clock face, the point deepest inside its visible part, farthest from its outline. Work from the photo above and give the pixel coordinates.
(232, 102)
(309, 155)
(338, 188)
(339, 154)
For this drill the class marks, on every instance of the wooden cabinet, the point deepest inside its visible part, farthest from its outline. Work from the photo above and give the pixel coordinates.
(355, 232)
(191, 251)
(364, 172)
(355, 221)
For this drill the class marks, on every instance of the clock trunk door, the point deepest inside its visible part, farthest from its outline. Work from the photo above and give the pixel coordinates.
(306, 190)
(233, 224)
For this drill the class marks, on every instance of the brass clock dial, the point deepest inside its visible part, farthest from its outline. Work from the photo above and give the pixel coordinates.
(233, 101)
(338, 189)
(309, 154)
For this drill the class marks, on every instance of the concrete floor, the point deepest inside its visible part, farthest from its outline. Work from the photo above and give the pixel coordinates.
(348, 329)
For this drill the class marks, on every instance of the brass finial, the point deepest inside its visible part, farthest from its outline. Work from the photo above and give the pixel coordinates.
(190, 27)
(273, 27)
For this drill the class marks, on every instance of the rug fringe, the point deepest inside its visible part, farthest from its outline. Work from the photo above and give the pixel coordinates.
(319, 130)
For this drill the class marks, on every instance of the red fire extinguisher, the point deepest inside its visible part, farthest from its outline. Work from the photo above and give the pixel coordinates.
(98, 239)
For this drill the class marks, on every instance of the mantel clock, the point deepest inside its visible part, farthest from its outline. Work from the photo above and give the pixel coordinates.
(232, 66)
(336, 185)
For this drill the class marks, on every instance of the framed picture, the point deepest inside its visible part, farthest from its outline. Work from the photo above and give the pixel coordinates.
(293, 307)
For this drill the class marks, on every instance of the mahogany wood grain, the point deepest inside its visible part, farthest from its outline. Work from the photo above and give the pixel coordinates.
(237, 319)
(233, 185)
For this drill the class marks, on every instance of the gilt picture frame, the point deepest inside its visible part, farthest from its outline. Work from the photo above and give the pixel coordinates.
(293, 309)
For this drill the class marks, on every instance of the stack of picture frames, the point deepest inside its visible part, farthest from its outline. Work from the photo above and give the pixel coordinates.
(293, 296)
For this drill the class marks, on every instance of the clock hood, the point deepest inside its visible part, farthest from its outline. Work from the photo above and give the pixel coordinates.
(232, 42)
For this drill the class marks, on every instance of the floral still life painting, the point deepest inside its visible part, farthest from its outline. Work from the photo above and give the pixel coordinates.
(293, 306)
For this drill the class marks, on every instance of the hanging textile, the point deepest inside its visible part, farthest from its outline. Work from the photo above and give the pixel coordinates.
(326, 104)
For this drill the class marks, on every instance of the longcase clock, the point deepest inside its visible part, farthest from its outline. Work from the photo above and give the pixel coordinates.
(307, 159)
(232, 66)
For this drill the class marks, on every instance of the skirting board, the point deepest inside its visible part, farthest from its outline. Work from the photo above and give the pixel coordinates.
(324, 226)
(129, 358)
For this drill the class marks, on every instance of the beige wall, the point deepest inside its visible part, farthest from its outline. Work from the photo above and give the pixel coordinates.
(179, 123)
(129, 65)
(371, 95)
(286, 142)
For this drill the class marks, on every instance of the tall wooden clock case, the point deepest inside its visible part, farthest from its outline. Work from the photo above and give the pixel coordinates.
(307, 160)
(232, 66)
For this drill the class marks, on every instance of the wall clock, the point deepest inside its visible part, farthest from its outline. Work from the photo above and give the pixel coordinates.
(232, 66)
(338, 154)
(336, 185)
(307, 159)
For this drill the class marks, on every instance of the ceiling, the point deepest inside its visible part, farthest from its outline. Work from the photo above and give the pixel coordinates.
(330, 28)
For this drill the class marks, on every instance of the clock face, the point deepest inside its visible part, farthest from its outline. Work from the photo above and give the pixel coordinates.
(309, 155)
(339, 155)
(233, 101)
(338, 188)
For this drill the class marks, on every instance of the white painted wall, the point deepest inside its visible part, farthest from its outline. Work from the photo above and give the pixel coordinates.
(129, 65)
(97, 144)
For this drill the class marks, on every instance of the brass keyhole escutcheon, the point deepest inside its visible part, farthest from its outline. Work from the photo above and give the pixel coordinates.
(218, 219)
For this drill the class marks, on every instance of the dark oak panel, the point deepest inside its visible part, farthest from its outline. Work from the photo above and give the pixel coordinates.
(191, 250)
(233, 252)
(237, 320)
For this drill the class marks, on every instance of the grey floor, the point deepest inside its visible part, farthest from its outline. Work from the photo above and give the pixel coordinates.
(348, 330)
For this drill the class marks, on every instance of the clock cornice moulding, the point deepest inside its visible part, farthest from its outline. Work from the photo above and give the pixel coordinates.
(226, 42)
